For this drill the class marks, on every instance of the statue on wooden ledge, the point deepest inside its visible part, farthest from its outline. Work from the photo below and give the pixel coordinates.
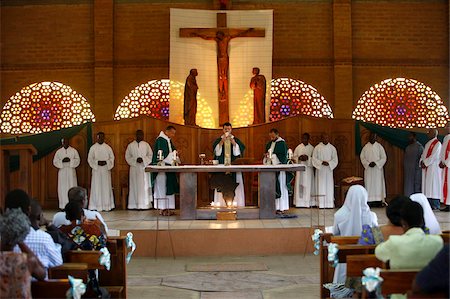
(190, 98)
(258, 84)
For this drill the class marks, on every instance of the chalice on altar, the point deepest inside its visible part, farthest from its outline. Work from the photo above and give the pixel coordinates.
(202, 159)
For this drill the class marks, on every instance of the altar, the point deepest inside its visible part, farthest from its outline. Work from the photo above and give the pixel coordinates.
(188, 189)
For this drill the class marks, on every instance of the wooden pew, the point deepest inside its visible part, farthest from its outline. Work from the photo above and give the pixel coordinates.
(77, 270)
(51, 288)
(397, 281)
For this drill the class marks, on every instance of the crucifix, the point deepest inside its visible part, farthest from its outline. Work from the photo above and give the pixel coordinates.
(222, 36)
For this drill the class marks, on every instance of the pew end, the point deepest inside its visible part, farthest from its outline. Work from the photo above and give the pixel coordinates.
(51, 288)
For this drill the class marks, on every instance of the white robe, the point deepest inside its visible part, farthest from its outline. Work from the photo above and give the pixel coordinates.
(324, 174)
(432, 174)
(304, 180)
(444, 200)
(101, 198)
(239, 194)
(160, 181)
(374, 176)
(67, 175)
(139, 189)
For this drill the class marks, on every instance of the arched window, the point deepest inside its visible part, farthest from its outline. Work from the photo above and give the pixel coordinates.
(294, 97)
(402, 103)
(43, 107)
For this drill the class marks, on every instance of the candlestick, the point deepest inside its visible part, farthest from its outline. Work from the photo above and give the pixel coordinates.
(160, 155)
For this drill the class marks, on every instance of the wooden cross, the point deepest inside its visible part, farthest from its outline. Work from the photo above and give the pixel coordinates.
(222, 36)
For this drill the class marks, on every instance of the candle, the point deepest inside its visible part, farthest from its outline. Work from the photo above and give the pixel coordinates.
(270, 153)
(160, 155)
(174, 155)
(234, 204)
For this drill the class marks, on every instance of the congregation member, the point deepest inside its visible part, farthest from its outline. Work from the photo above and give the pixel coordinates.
(412, 250)
(431, 223)
(101, 160)
(373, 158)
(66, 159)
(138, 155)
(412, 173)
(17, 268)
(165, 185)
(444, 164)
(325, 160)
(41, 243)
(276, 153)
(431, 173)
(228, 148)
(304, 180)
(78, 194)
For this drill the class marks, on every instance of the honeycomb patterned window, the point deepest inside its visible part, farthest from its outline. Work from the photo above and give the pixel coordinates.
(402, 103)
(151, 99)
(43, 107)
(293, 97)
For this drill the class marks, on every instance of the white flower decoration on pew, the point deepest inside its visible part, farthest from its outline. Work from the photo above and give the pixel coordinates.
(371, 278)
(105, 258)
(130, 244)
(77, 288)
(333, 249)
(316, 239)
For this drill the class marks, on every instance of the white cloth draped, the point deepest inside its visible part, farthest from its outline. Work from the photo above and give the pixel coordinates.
(428, 215)
(101, 198)
(139, 190)
(432, 174)
(374, 176)
(304, 180)
(67, 175)
(324, 181)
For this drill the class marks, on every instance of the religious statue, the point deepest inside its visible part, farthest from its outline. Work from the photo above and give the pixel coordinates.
(190, 98)
(258, 84)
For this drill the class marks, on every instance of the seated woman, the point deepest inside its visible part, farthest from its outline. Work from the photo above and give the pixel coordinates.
(86, 234)
(431, 222)
(348, 221)
(15, 268)
(414, 249)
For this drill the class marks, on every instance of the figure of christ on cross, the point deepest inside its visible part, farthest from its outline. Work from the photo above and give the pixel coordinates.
(222, 36)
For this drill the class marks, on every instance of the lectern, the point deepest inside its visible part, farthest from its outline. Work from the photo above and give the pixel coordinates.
(24, 181)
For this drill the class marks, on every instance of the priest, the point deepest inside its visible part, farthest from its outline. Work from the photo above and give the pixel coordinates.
(325, 160)
(228, 148)
(165, 185)
(138, 155)
(445, 164)
(66, 159)
(276, 153)
(304, 181)
(373, 158)
(431, 173)
(101, 160)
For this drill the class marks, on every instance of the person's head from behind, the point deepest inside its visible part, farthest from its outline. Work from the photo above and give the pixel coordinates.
(356, 197)
(411, 215)
(305, 138)
(74, 211)
(227, 128)
(78, 194)
(35, 212)
(14, 227)
(18, 199)
(393, 210)
(170, 131)
(412, 137)
(273, 134)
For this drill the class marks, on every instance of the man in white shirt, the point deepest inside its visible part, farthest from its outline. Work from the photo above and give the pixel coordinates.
(66, 159)
(431, 173)
(101, 160)
(304, 180)
(138, 155)
(325, 160)
(373, 158)
(78, 194)
(444, 165)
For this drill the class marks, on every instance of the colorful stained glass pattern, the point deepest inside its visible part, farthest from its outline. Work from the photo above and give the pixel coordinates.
(402, 103)
(43, 107)
(151, 99)
(293, 97)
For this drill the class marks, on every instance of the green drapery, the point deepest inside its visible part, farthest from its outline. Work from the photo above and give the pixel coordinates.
(396, 137)
(45, 143)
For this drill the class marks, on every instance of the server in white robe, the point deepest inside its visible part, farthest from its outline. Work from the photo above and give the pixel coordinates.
(373, 158)
(138, 155)
(304, 180)
(101, 160)
(431, 173)
(325, 160)
(66, 159)
(444, 165)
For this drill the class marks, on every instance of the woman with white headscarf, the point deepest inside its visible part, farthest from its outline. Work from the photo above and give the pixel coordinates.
(430, 219)
(348, 221)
